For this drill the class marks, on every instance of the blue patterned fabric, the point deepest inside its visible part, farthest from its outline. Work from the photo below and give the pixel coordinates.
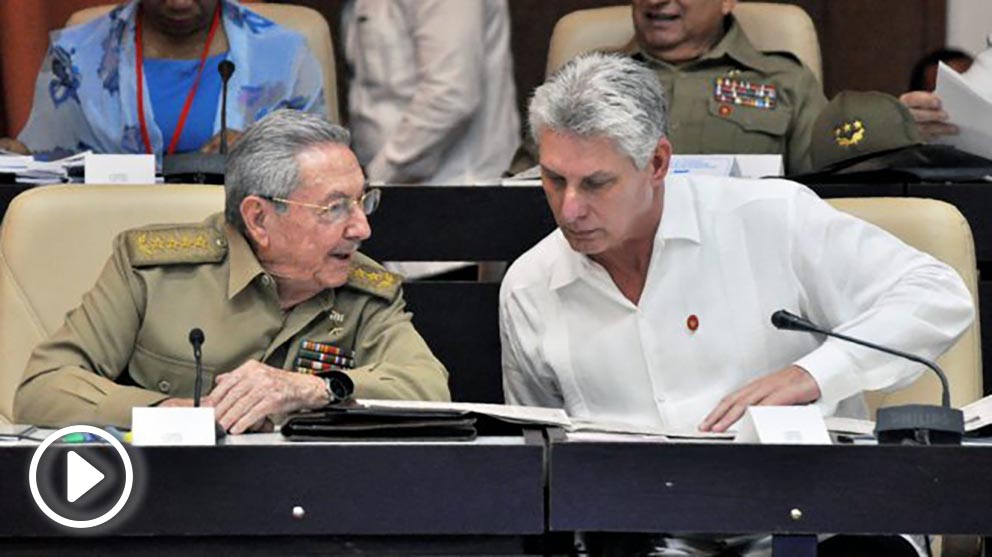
(86, 93)
(169, 82)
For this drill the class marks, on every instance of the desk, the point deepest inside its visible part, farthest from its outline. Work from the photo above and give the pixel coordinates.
(720, 488)
(440, 498)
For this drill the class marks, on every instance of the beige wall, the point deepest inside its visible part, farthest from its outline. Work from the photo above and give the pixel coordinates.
(968, 23)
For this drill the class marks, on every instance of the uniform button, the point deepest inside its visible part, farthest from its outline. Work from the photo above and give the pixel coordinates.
(164, 386)
(221, 242)
(266, 280)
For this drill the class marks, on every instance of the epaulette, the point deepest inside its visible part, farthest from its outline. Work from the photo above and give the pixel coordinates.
(375, 281)
(175, 245)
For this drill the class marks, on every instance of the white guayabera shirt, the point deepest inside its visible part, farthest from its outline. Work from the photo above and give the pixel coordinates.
(727, 254)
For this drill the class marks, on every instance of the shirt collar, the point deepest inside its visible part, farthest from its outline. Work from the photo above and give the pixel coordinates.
(734, 44)
(679, 221)
(244, 265)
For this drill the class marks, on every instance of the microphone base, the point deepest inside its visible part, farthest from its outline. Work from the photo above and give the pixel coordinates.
(194, 168)
(919, 424)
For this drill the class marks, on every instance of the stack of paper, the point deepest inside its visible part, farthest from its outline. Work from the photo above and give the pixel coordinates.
(30, 171)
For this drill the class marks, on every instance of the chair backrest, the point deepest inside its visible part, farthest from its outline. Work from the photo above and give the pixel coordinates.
(939, 229)
(305, 21)
(54, 241)
(769, 26)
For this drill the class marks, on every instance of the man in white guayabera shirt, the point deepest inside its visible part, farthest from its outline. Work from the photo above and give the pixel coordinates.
(650, 304)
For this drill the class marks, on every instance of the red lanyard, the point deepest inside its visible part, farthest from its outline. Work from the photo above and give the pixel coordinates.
(139, 61)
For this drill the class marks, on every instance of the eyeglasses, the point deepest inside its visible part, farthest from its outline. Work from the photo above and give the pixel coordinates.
(338, 210)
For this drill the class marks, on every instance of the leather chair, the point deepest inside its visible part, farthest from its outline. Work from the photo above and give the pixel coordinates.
(939, 229)
(54, 241)
(769, 26)
(303, 20)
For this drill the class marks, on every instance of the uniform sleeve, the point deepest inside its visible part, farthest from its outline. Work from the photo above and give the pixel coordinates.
(394, 362)
(57, 126)
(70, 378)
(809, 102)
(523, 381)
(863, 282)
(447, 36)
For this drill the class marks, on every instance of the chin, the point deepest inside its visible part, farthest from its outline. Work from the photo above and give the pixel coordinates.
(586, 247)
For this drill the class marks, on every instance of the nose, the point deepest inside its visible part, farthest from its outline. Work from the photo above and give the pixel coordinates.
(573, 205)
(358, 228)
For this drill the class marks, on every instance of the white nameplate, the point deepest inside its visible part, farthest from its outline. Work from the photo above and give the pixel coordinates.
(172, 426)
(119, 169)
(757, 166)
(707, 165)
(783, 425)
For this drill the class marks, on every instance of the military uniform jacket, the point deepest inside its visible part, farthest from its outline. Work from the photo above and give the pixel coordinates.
(736, 99)
(127, 344)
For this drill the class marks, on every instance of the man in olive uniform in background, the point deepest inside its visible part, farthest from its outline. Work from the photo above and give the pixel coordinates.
(276, 284)
(725, 95)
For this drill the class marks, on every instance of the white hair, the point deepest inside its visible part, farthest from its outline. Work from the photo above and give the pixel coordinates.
(603, 95)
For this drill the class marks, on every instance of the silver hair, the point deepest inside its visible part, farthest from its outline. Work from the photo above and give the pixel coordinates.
(603, 95)
(263, 162)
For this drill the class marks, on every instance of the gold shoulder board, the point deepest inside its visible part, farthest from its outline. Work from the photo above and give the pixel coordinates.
(378, 282)
(175, 245)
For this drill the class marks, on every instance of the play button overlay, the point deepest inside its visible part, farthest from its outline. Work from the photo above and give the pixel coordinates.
(81, 485)
(81, 476)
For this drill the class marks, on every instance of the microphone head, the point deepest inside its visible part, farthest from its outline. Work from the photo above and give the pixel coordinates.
(789, 321)
(226, 69)
(196, 336)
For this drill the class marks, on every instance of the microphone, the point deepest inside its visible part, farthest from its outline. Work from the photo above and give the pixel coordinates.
(202, 168)
(226, 70)
(196, 338)
(910, 423)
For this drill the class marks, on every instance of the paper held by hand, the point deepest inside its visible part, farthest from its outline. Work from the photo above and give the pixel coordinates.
(969, 108)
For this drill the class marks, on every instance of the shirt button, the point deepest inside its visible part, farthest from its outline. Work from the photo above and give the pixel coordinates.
(164, 386)
(221, 242)
(266, 280)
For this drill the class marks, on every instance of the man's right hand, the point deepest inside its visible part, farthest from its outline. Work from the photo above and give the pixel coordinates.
(13, 145)
(930, 117)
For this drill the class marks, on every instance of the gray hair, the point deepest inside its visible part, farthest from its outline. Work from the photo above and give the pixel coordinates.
(263, 162)
(603, 95)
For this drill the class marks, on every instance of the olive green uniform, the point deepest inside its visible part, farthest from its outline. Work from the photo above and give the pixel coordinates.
(702, 120)
(127, 344)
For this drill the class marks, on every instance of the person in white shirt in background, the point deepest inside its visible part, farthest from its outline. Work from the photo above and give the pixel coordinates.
(432, 98)
(651, 303)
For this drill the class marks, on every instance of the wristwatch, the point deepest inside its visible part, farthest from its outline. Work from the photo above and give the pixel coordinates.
(338, 385)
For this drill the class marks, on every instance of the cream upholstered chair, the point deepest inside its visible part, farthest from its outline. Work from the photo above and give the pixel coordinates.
(303, 20)
(939, 229)
(54, 241)
(769, 26)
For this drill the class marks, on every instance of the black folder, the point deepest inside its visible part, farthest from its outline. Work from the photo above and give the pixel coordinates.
(357, 423)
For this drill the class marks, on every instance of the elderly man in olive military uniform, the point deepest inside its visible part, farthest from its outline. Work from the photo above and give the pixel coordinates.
(725, 95)
(275, 283)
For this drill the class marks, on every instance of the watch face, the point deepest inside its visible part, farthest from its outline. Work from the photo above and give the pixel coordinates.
(340, 385)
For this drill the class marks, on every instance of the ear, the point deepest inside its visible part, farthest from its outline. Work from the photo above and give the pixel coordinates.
(660, 161)
(255, 213)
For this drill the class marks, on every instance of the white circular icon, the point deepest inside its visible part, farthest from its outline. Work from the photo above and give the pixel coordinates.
(87, 470)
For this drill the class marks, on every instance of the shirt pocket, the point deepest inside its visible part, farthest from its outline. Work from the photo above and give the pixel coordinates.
(166, 374)
(746, 129)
